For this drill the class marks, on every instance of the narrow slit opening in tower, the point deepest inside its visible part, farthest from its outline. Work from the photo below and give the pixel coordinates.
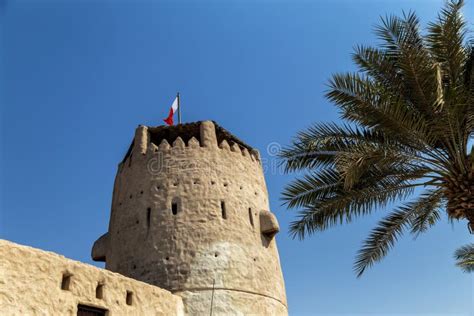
(174, 208)
(66, 282)
(99, 291)
(148, 216)
(129, 298)
(223, 210)
(251, 217)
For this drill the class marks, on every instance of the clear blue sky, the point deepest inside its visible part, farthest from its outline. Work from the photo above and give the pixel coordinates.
(77, 77)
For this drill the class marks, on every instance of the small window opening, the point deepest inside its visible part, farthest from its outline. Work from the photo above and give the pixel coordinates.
(129, 298)
(174, 208)
(66, 282)
(251, 217)
(148, 217)
(223, 210)
(99, 291)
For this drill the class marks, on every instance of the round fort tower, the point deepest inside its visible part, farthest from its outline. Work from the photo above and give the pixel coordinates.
(190, 214)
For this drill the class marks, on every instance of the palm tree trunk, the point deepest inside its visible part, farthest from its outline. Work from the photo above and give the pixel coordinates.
(460, 195)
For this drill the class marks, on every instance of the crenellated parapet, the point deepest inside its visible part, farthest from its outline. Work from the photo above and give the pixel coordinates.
(192, 138)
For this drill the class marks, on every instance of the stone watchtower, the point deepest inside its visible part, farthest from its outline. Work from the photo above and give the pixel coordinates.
(190, 214)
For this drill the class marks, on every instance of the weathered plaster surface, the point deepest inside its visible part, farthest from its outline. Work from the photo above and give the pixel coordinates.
(30, 284)
(196, 249)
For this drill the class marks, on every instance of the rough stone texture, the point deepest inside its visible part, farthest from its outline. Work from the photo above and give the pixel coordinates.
(268, 224)
(99, 250)
(30, 284)
(208, 134)
(216, 185)
(141, 137)
(225, 302)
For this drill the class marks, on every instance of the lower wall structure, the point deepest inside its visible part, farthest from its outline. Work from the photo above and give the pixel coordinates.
(230, 302)
(36, 282)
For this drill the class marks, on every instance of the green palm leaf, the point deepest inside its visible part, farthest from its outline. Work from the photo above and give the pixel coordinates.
(416, 214)
(465, 258)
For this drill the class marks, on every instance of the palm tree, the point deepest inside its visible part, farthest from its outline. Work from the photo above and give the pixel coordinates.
(409, 114)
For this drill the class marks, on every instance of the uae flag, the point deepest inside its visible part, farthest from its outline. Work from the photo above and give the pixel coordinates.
(174, 108)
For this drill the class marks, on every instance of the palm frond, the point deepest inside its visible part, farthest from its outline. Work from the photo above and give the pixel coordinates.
(346, 205)
(446, 40)
(389, 230)
(358, 160)
(429, 215)
(378, 66)
(312, 187)
(469, 88)
(465, 258)
(319, 145)
(365, 103)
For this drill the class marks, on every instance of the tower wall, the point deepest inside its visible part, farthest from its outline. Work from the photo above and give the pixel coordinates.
(193, 217)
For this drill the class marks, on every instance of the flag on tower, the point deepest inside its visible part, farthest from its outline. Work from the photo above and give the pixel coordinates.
(174, 108)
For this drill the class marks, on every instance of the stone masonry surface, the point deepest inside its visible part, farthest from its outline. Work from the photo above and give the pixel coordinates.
(31, 282)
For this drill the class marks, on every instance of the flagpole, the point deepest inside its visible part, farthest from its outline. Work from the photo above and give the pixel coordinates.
(179, 109)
